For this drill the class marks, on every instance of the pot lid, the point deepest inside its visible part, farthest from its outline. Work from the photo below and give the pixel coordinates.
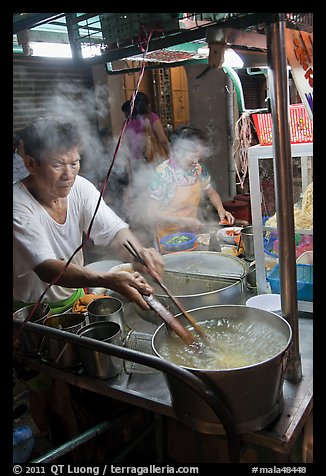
(206, 263)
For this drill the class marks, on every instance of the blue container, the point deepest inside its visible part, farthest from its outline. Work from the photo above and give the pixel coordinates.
(304, 281)
(23, 444)
(186, 245)
(269, 247)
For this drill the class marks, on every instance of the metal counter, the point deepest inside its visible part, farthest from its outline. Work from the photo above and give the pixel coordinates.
(150, 391)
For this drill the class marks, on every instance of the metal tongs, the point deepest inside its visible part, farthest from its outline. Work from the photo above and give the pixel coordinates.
(164, 313)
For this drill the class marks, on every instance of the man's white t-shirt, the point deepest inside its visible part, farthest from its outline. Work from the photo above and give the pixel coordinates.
(37, 237)
(19, 170)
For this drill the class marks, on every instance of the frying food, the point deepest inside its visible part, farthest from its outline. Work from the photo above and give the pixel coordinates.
(81, 304)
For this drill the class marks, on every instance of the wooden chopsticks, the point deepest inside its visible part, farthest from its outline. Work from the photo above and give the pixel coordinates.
(132, 250)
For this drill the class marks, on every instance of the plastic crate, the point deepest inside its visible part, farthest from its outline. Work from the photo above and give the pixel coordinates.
(304, 281)
(301, 126)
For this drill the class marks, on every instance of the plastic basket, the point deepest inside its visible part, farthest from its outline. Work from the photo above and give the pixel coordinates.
(301, 126)
(304, 281)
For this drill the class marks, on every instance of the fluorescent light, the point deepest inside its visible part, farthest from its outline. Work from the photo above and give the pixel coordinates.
(58, 50)
(231, 58)
(88, 51)
(62, 50)
(203, 51)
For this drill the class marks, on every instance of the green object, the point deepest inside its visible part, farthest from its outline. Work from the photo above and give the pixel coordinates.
(62, 306)
(57, 307)
(238, 88)
(297, 238)
(40, 383)
(178, 239)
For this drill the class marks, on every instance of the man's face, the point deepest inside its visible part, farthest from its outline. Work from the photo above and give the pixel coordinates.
(57, 172)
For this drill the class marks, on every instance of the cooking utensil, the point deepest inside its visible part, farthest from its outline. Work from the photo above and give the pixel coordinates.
(260, 385)
(98, 364)
(130, 247)
(197, 280)
(142, 342)
(247, 241)
(58, 352)
(107, 309)
(169, 319)
(214, 244)
(31, 342)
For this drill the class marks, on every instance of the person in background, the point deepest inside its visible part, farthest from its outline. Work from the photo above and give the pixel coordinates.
(137, 129)
(52, 208)
(177, 184)
(141, 127)
(19, 170)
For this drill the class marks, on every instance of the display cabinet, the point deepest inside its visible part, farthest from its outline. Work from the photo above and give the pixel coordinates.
(262, 193)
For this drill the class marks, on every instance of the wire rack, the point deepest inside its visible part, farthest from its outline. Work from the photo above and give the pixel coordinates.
(101, 32)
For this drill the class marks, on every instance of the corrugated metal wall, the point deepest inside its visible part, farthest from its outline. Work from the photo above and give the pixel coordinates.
(36, 81)
(254, 90)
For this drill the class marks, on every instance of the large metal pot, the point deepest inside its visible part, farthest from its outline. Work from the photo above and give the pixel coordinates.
(254, 394)
(59, 352)
(30, 342)
(197, 279)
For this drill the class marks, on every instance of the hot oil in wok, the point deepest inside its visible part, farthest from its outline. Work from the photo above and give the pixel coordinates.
(234, 343)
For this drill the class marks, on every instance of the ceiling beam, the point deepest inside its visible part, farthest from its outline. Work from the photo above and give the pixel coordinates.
(25, 21)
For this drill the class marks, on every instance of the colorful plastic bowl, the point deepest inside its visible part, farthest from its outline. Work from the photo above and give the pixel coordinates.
(185, 245)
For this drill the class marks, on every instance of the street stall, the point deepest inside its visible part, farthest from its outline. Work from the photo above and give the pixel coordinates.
(277, 423)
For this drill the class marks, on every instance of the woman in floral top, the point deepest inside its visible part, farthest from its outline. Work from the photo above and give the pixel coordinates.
(177, 184)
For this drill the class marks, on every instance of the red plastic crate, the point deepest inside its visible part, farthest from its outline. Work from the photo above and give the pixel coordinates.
(301, 126)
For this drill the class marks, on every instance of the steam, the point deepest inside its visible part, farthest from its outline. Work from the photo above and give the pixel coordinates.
(86, 108)
(184, 150)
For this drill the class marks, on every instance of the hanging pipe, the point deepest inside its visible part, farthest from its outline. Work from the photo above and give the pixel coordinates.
(75, 442)
(238, 87)
(205, 390)
(230, 119)
(239, 91)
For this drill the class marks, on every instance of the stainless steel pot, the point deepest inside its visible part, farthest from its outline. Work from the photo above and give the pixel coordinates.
(251, 278)
(30, 342)
(107, 309)
(247, 241)
(198, 279)
(63, 354)
(97, 364)
(254, 394)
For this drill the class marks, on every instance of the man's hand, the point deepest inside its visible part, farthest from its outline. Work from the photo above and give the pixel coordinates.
(154, 264)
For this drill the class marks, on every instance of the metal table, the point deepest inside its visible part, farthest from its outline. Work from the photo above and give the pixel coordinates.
(151, 392)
